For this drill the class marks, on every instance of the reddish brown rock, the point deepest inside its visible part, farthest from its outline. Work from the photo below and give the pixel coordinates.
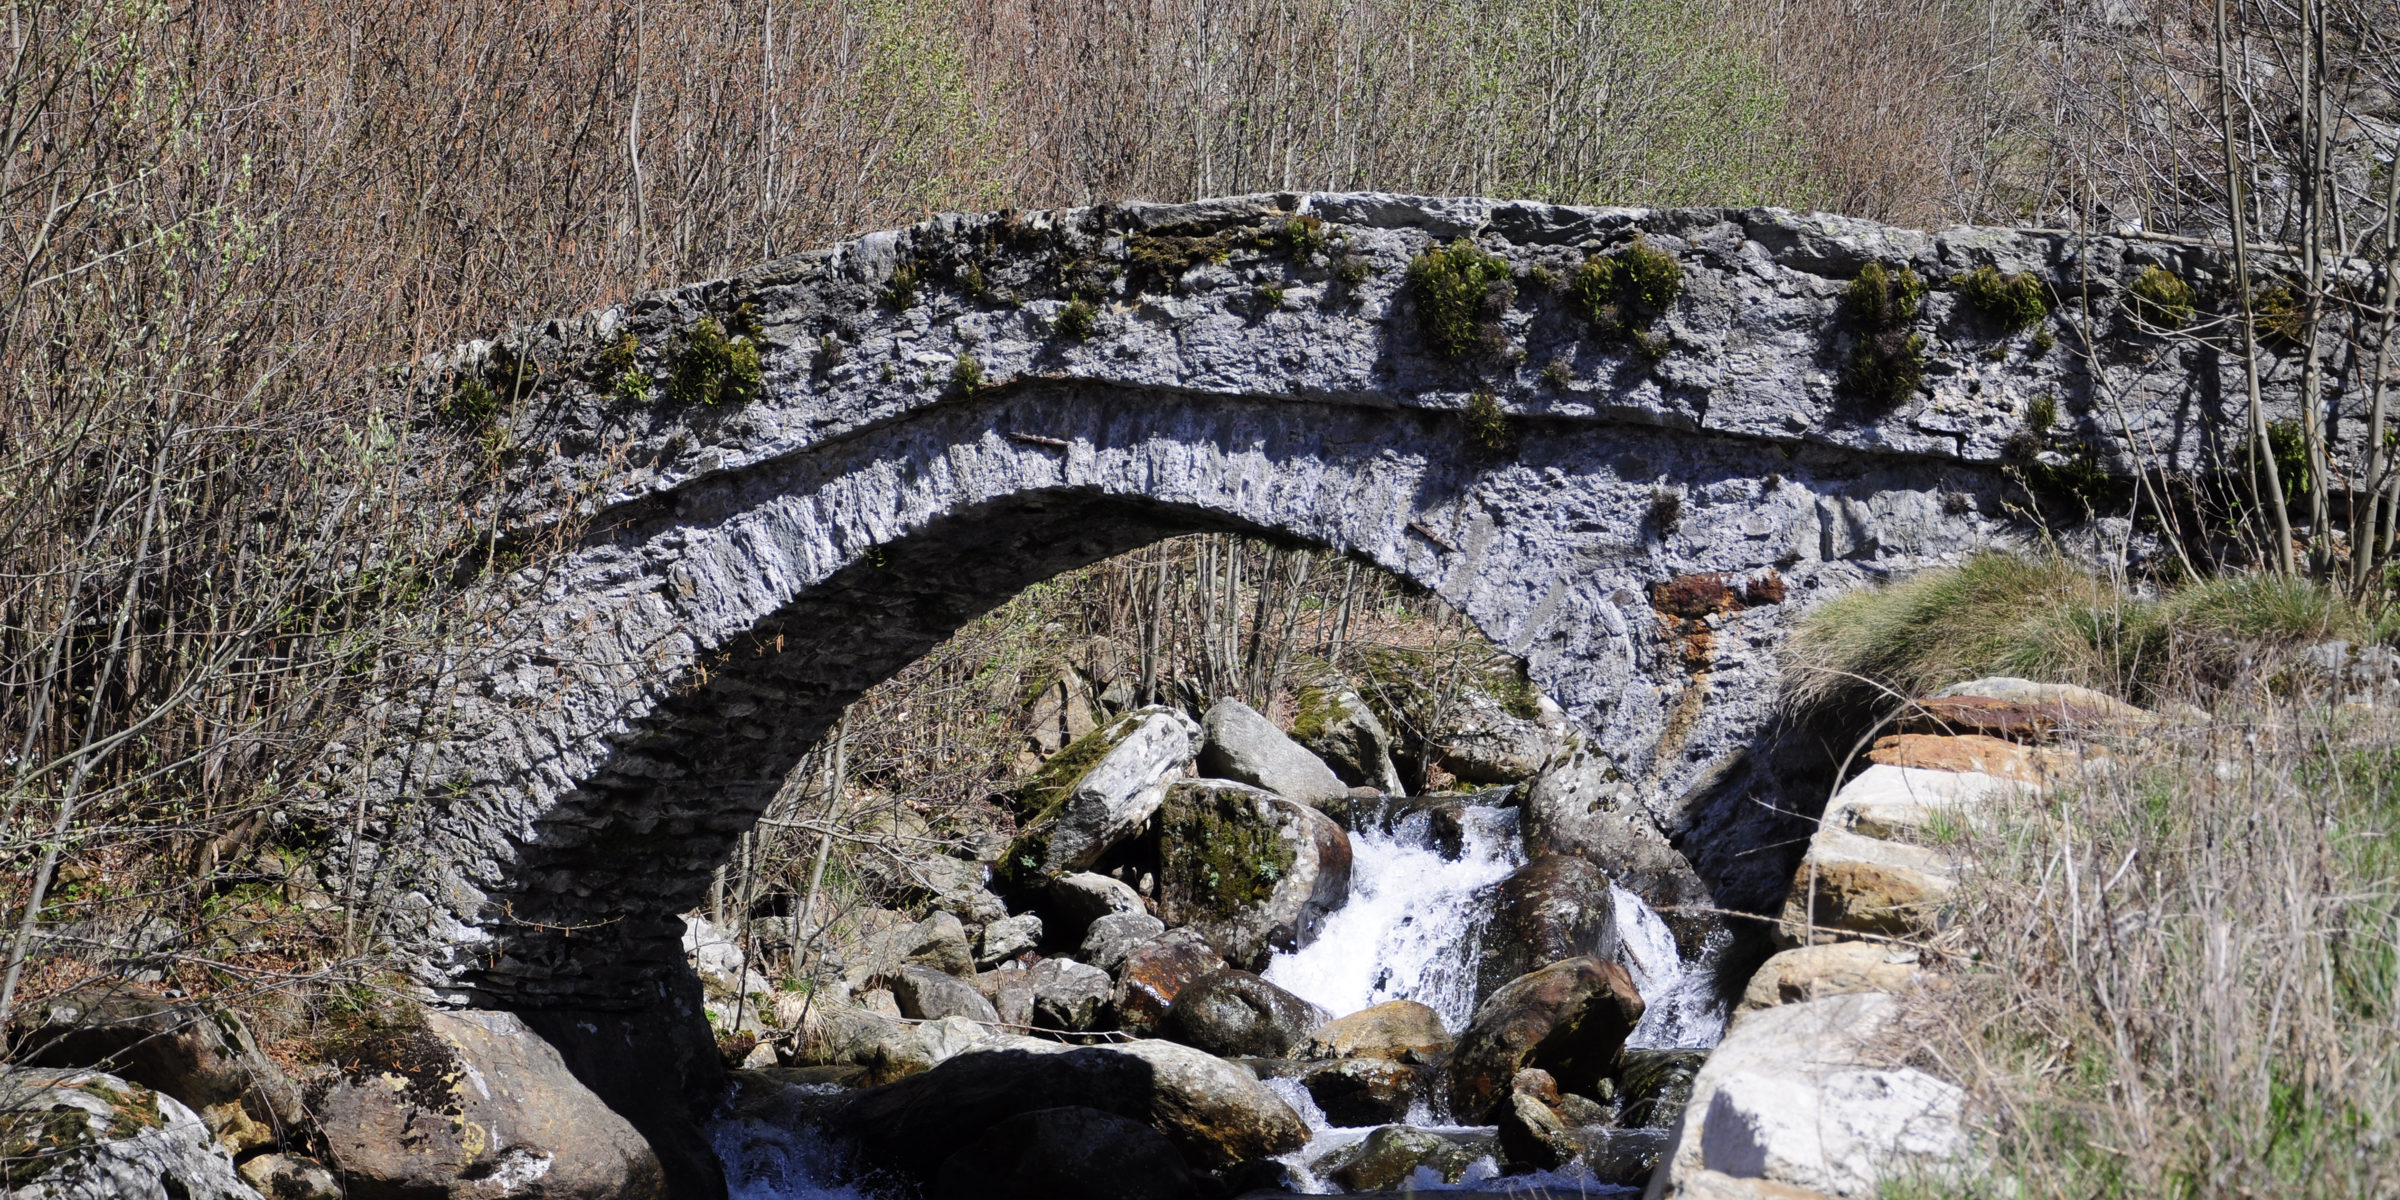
(1569, 1018)
(1155, 973)
(1965, 752)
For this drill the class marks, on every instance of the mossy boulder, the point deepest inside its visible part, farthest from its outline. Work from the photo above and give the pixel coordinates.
(72, 1133)
(1334, 723)
(1095, 793)
(1241, 744)
(1247, 869)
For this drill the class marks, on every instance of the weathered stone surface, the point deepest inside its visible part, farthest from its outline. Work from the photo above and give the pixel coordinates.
(1811, 1095)
(1247, 869)
(1246, 747)
(1965, 752)
(475, 1105)
(198, 1053)
(1573, 807)
(941, 943)
(925, 994)
(1391, 1156)
(290, 1177)
(1070, 903)
(1095, 793)
(1217, 1113)
(106, 1138)
(1531, 1135)
(1717, 1185)
(1402, 1030)
(1011, 994)
(1068, 995)
(1007, 938)
(1487, 743)
(1156, 972)
(1866, 885)
(2083, 708)
(1569, 1018)
(1365, 1091)
(1236, 1013)
(1113, 937)
(1833, 969)
(1061, 713)
(1331, 721)
(882, 1045)
(1072, 1153)
(1653, 1086)
(1555, 907)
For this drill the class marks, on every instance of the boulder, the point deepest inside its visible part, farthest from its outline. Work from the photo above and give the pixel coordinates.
(883, 1046)
(956, 886)
(929, 995)
(199, 1053)
(1570, 1018)
(1009, 937)
(1094, 794)
(1575, 808)
(440, 1108)
(1011, 994)
(1074, 1153)
(1390, 1157)
(290, 1177)
(71, 1134)
(1833, 969)
(1866, 885)
(1916, 805)
(1242, 745)
(1237, 1013)
(1364, 1091)
(892, 941)
(1249, 870)
(1114, 936)
(1532, 1138)
(1814, 1095)
(1555, 907)
(1717, 1185)
(1487, 742)
(1401, 1030)
(1215, 1113)
(1972, 752)
(2078, 707)
(1156, 972)
(1061, 713)
(1070, 903)
(1623, 1158)
(1334, 723)
(941, 943)
(1070, 996)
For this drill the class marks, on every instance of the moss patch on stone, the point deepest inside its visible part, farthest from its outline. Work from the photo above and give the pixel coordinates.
(1623, 292)
(1314, 711)
(1220, 854)
(2161, 297)
(714, 368)
(2014, 301)
(1888, 363)
(1461, 291)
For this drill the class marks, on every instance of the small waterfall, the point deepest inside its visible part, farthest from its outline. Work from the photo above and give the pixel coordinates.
(1679, 997)
(1410, 929)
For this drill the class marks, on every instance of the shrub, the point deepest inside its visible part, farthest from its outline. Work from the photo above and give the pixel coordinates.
(2041, 413)
(471, 402)
(966, 375)
(1303, 237)
(1461, 293)
(901, 291)
(2162, 298)
(714, 369)
(2280, 316)
(1888, 362)
(2014, 301)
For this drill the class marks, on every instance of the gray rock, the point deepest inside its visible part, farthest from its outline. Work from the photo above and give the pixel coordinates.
(1365, 1091)
(929, 995)
(1569, 1018)
(1009, 937)
(1245, 747)
(199, 1053)
(881, 1046)
(1068, 995)
(1532, 1138)
(1554, 907)
(1486, 743)
(940, 942)
(1011, 994)
(1390, 1157)
(1070, 903)
(1061, 713)
(956, 887)
(1249, 870)
(1575, 808)
(1237, 1013)
(1332, 722)
(1066, 1154)
(1114, 936)
(1079, 811)
(127, 1141)
(437, 1109)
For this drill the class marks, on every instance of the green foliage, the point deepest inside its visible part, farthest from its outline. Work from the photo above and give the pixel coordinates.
(1462, 292)
(2015, 301)
(1303, 237)
(966, 375)
(1888, 362)
(1623, 292)
(619, 366)
(2162, 298)
(714, 369)
(1077, 320)
(1220, 854)
(2287, 443)
(900, 292)
(2041, 344)
(1487, 425)
(2280, 315)
(471, 403)
(2041, 412)
(1270, 297)
(1350, 268)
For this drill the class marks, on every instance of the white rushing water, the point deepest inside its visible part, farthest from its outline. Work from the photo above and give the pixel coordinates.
(1410, 929)
(1679, 1002)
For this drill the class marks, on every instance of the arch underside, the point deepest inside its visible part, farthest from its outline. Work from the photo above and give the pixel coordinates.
(683, 659)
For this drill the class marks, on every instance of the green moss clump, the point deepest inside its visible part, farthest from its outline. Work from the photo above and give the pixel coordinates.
(2280, 315)
(1165, 256)
(966, 375)
(619, 366)
(1048, 787)
(1220, 855)
(715, 369)
(2041, 344)
(471, 402)
(1351, 268)
(1270, 297)
(1077, 320)
(1461, 293)
(2041, 413)
(1888, 363)
(1313, 711)
(2162, 298)
(2014, 301)
(1623, 292)
(1303, 238)
(1487, 424)
(2288, 443)
(900, 293)
(743, 323)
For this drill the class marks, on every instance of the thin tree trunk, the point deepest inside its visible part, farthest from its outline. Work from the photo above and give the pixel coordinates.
(2266, 482)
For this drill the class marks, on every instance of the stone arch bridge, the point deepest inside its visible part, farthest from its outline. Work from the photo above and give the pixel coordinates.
(945, 414)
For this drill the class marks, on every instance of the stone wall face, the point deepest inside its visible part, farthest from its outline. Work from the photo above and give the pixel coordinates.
(563, 783)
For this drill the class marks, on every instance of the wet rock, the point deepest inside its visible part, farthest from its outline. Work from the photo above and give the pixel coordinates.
(84, 1135)
(1067, 1154)
(1654, 1085)
(1237, 1013)
(1578, 1110)
(1490, 743)
(1390, 1157)
(1444, 818)
(1833, 969)
(1094, 794)
(1114, 936)
(1575, 808)
(198, 1053)
(1156, 972)
(1569, 1018)
(1402, 1030)
(1009, 937)
(1217, 1113)
(1244, 746)
(1070, 903)
(929, 995)
(1334, 723)
(1068, 995)
(1555, 907)
(1365, 1091)
(1532, 1138)
(1620, 1157)
(1249, 870)
(442, 1108)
